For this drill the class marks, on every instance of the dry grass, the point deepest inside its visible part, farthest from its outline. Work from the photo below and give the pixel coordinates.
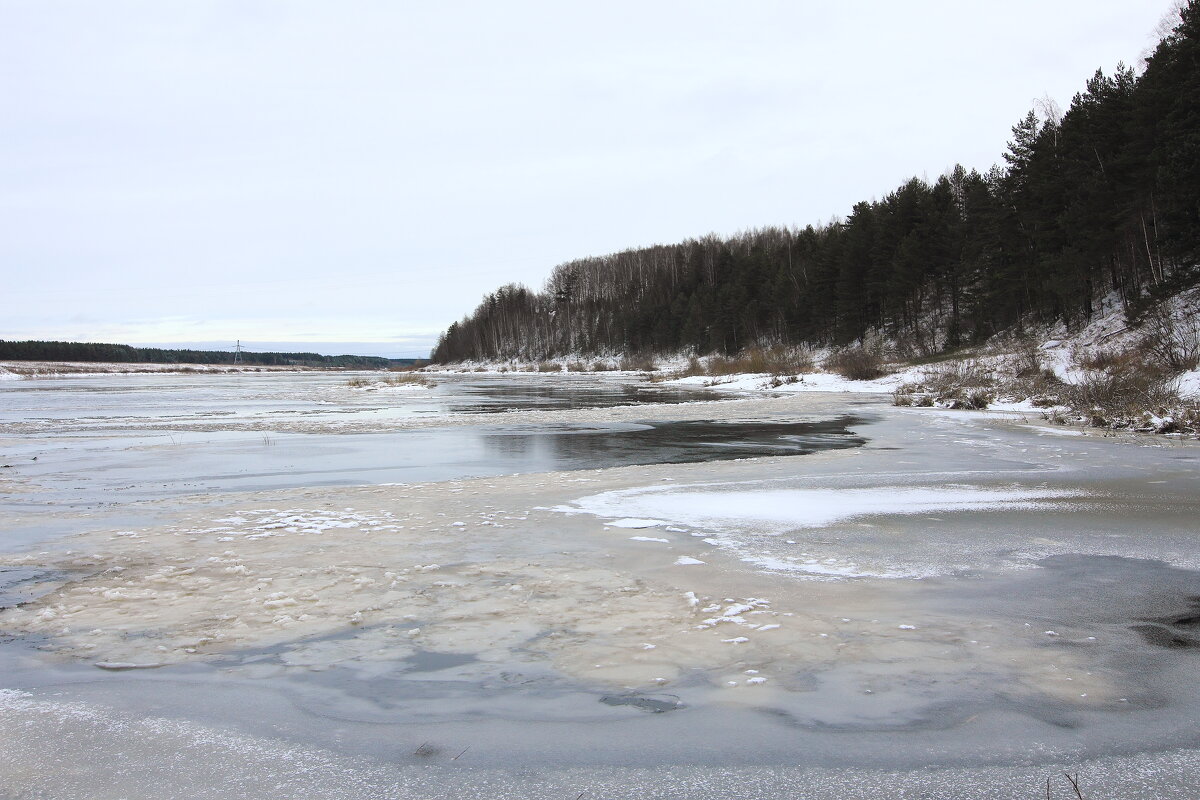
(958, 375)
(1121, 396)
(1043, 389)
(855, 364)
(775, 361)
(1105, 360)
(759, 361)
(1134, 388)
(402, 379)
(637, 364)
(1171, 344)
(694, 367)
(966, 384)
(946, 396)
(407, 379)
(1028, 357)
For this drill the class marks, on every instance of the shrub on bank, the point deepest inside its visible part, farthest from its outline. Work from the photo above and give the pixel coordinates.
(855, 364)
(762, 361)
(637, 364)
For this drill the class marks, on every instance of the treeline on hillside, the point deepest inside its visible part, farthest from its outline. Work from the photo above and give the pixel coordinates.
(124, 354)
(1105, 197)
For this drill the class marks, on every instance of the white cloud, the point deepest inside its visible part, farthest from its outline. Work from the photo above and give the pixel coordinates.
(304, 167)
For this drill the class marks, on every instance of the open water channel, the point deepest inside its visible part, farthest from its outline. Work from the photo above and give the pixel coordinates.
(107, 441)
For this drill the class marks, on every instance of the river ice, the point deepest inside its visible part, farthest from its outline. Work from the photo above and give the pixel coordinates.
(748, 518)
(998, 602)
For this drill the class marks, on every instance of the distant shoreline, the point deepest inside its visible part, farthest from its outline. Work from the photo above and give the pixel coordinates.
(110, 353)
(55, 369)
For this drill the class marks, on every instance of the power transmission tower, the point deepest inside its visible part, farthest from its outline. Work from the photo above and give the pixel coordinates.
(237, 352)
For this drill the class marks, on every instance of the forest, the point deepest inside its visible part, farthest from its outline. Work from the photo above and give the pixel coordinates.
(1104, 198)
(125, 354)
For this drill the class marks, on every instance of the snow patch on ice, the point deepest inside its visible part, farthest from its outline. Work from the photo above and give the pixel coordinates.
(746, 519)
(631, 522)
(779, 510)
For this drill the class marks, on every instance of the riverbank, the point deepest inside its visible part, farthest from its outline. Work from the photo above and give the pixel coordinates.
(1108, 374)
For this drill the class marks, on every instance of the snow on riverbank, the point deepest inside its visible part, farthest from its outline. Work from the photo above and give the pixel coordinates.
(1080, 375)
(1189, 384)
(805, 382)
(667, 373)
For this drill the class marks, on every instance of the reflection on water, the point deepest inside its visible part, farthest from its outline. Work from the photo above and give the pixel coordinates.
(497, 395)
(107, 441)
(102, 470)
(666, 443)
(216, 402)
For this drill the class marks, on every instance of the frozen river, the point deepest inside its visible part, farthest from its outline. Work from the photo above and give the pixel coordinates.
(102, 443)
(542, 586)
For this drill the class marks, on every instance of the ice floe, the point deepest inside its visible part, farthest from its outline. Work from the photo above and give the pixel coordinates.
(747, 519)
(781, 509)
(630, 522)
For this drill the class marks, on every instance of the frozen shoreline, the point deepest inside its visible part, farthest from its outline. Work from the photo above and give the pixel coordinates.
(161, 757)
(24, 370)
(570, 603)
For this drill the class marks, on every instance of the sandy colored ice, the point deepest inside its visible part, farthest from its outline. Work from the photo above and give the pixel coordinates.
(486, 567)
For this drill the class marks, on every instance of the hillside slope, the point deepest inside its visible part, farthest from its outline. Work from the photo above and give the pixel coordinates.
(1103, 202)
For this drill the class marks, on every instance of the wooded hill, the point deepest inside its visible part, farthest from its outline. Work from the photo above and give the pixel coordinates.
(1103, 198)
(92, 352)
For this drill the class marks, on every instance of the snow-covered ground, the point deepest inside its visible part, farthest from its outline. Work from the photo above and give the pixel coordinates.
(805, 382)
(1072, 377)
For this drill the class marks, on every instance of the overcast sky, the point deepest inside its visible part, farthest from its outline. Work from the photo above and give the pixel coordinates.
(356, 175)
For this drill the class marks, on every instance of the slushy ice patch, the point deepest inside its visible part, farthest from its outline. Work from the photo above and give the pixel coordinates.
(368, 589)
(750, 520)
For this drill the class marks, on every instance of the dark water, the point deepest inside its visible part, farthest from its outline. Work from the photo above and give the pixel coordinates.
(90, 442)
(485, 395)
(103, 443)
(208, 402)
(90, 472)
(93, 475)
(551, 449)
